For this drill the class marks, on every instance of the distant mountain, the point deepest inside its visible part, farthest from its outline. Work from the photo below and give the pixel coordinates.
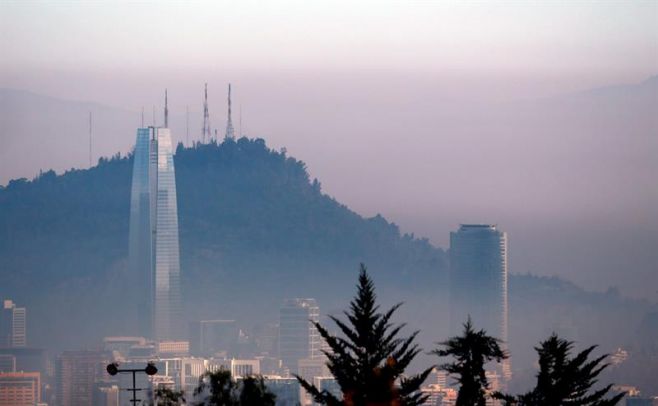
(39, 131)
(254, 229)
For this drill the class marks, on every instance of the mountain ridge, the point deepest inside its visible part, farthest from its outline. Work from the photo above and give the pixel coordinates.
(254, 229)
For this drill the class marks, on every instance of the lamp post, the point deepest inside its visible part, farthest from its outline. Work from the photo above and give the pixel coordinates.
(150, 369)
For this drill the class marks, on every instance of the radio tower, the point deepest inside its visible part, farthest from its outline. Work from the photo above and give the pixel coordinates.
(230, 133)
(206, 118)
(166, 124)
(90, 139)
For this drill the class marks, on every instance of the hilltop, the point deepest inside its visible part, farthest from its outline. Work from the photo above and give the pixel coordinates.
(254, 229)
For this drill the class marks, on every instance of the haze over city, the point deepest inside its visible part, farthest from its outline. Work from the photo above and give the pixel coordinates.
(435, 89)
(538, 117)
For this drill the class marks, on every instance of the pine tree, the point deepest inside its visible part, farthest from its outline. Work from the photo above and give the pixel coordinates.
(471, 351)
(220, 387)
(563, 380)
(254, 392)
(369, 362)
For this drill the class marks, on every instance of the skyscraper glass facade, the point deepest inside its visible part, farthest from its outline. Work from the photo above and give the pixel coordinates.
(298, 337)
(478, 280)
(154, 246)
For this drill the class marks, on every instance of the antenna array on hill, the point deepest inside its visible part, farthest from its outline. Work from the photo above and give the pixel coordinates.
(206, 117)
(230, 133)
(90, 139)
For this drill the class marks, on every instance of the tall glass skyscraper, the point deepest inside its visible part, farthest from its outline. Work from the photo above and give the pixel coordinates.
(154, 250)
(298, 337)
(478, 280)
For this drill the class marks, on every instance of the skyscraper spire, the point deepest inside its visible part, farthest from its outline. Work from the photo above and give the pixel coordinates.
(230, 133)
(206, 118)
(166, 123)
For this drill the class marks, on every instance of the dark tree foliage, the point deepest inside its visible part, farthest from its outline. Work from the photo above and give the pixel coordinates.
(471, 351)
(370, 360)
(563, 380)
(168, 397)
(220, 389)
(254, 392)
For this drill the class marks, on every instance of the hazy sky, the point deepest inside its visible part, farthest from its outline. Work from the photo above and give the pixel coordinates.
(605, 39)
(410, 109)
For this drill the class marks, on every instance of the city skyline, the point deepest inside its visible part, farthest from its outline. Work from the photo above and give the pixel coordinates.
(304, 202)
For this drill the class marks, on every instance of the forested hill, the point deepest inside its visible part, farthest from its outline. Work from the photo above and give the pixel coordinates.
(254, 228)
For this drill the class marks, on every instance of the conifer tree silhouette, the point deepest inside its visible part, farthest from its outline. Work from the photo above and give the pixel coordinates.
(369, 362)
(563, 380)
(471, 351)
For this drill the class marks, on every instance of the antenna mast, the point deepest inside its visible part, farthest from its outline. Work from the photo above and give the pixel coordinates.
(142, 116)
(187, 125)
(230, 133)
(90, 139)
(166, 123)
(153, 115)
(206, 117)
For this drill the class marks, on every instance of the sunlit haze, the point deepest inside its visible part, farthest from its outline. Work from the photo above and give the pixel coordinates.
(537, 118)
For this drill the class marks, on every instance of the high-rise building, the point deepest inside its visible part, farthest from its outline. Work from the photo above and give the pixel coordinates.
(20, 388)
(212, 337)
(478, 280)
(122, 345)
(287, 390)
(154, 249)
(245, 367)
(77, 373)
(106, 393)
(298, 337)
(7, 363)
(13, 323)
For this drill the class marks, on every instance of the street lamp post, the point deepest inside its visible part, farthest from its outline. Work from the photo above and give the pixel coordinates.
(150, 369)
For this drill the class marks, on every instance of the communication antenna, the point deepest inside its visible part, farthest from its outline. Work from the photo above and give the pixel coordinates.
(187, 125)
(142, 116)
(166, 123)
(154, 115)
(240, 124)
(206, 117)
(90, 139)
(230, 133)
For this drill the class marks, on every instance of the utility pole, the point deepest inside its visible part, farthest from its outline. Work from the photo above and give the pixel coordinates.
(150, 369)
